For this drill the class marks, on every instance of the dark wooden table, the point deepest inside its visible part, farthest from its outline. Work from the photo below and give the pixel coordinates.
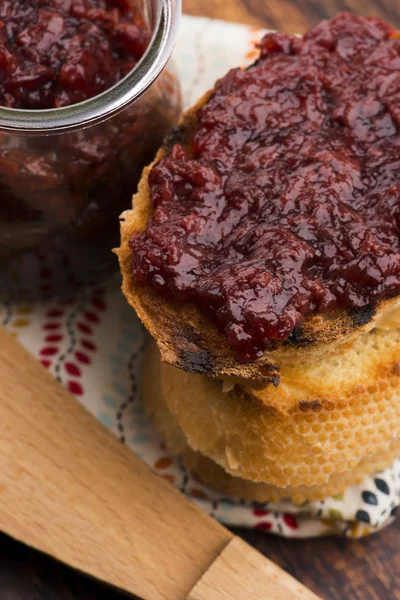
(334, 568)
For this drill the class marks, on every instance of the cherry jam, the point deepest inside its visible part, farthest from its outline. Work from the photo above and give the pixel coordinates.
(286, 201)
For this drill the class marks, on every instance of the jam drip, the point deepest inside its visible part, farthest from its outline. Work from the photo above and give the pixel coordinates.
(55, 53)
(286, 201)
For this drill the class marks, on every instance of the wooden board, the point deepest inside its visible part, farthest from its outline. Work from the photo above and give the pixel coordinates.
(70, 489)
(336, 569)
(333, 568)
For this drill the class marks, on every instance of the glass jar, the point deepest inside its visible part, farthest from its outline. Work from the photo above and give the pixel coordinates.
(67, 173)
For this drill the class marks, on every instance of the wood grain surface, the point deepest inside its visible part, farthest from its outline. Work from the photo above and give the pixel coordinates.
(240, 572)
(336, 569)
(289, 15)
(70, 489)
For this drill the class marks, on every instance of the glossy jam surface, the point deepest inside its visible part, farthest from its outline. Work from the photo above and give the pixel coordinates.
(287, 201)
(55, 53)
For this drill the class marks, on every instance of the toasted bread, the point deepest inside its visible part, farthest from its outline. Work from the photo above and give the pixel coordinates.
(212, 474)
(325, 419)
(189, 340)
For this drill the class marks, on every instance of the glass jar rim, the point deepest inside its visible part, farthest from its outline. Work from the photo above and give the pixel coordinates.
(112, 100)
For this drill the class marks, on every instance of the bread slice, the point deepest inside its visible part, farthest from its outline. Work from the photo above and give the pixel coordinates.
(210, 473)
(189, 340)
(326, 419)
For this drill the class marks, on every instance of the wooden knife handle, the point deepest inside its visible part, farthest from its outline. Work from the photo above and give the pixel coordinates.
(69, 488)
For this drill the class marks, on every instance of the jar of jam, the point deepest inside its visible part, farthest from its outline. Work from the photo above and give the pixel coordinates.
(86, 97)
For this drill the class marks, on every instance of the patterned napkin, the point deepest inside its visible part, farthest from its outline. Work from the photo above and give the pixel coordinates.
(94, 346)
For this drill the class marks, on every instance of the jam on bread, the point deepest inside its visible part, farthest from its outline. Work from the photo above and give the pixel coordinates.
(284, 202)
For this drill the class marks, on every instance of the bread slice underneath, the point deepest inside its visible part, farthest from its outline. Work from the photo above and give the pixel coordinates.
(210, 473)
(312, 437)
(189, 340)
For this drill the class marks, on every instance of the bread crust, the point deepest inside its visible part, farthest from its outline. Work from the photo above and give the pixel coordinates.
(189, 340)
(301, 433)
(212, 474)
